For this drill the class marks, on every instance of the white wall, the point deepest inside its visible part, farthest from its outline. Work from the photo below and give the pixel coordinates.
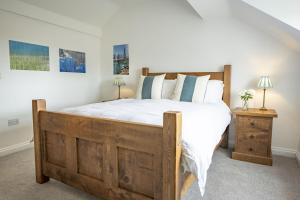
(18, 88)
(169, 36)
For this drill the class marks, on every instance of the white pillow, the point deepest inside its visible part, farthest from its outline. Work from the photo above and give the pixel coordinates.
(214, 91)
(150, 87)
(168, 88)
(190, 88)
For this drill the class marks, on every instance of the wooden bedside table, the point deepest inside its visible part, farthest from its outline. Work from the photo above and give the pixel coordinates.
(253, 135)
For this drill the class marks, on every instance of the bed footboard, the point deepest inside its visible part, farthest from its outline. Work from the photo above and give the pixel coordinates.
(108, 158)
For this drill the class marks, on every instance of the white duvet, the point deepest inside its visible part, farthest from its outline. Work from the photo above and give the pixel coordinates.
(202, 125)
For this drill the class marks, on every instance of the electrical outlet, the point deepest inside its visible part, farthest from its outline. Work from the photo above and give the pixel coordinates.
(13, 122)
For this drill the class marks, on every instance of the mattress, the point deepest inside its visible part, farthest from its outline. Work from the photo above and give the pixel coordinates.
(202, 126)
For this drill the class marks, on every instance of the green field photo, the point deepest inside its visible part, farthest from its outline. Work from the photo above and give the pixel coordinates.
(25, 56)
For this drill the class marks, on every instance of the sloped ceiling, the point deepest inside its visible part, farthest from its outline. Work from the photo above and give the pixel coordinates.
(287, 11)
(210, 8)
(272, 25)
(93, 12)
(279, 19)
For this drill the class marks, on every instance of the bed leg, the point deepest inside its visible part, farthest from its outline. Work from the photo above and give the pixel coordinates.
(224, 143)
(171, 155)
(38, 105)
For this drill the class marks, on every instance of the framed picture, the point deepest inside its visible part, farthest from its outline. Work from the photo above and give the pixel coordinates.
(26, 56)
(121, 59)
(71, 61)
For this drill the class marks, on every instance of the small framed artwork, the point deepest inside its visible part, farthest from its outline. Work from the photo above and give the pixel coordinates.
(71, 61)
(121, 59)
(26, 56)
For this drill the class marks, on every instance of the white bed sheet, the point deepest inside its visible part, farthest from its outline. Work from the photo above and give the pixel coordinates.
(202, 125)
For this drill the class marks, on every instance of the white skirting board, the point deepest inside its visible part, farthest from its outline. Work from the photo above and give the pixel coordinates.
(15, 148)
(279, 151)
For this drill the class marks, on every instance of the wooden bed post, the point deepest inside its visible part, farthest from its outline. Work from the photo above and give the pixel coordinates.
(145, 71)
(171, 155)
(226, 99)
(227, 84)
(38, 105)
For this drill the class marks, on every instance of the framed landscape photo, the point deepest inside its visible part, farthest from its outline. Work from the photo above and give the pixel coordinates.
(121, 59)
(26, 56)
(71, 61)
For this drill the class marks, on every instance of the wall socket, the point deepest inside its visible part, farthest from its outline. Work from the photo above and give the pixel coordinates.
(13, 122)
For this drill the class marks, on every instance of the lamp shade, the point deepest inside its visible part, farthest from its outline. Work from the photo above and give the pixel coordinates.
(119, 81)
(264, 82)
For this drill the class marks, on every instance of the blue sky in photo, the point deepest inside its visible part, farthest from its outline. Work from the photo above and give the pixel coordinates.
(22, 48)
(119, 49)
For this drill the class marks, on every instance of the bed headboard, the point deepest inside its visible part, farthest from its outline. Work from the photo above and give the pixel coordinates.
(224, 76)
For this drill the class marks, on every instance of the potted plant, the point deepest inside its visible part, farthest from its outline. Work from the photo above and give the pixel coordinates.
(245, 96)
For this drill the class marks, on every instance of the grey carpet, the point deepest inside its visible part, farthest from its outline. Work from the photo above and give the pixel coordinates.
(227, 180)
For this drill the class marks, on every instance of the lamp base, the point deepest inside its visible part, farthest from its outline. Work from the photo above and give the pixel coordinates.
(263, 109)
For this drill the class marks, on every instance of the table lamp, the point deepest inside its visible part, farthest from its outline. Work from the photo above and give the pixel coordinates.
(264, 83)
(118, 81)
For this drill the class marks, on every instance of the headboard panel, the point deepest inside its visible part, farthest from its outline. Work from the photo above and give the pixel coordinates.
(224, 76)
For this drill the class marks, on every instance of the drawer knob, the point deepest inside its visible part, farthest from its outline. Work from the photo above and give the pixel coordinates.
(250, 149)
(251, 136)
(252, 124)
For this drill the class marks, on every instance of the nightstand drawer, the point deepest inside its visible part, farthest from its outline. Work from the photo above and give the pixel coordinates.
(254, 124)
(255, 143)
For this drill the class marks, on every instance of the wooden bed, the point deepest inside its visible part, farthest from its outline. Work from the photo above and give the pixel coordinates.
(115, 159)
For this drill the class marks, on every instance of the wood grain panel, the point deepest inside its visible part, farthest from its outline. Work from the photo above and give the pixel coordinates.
(254, 112)
(254, 124)
(85, 183)
(255, 143)
(140, 138)
(90, 159)
(55, 148)
(135, 172)
(95, 128)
